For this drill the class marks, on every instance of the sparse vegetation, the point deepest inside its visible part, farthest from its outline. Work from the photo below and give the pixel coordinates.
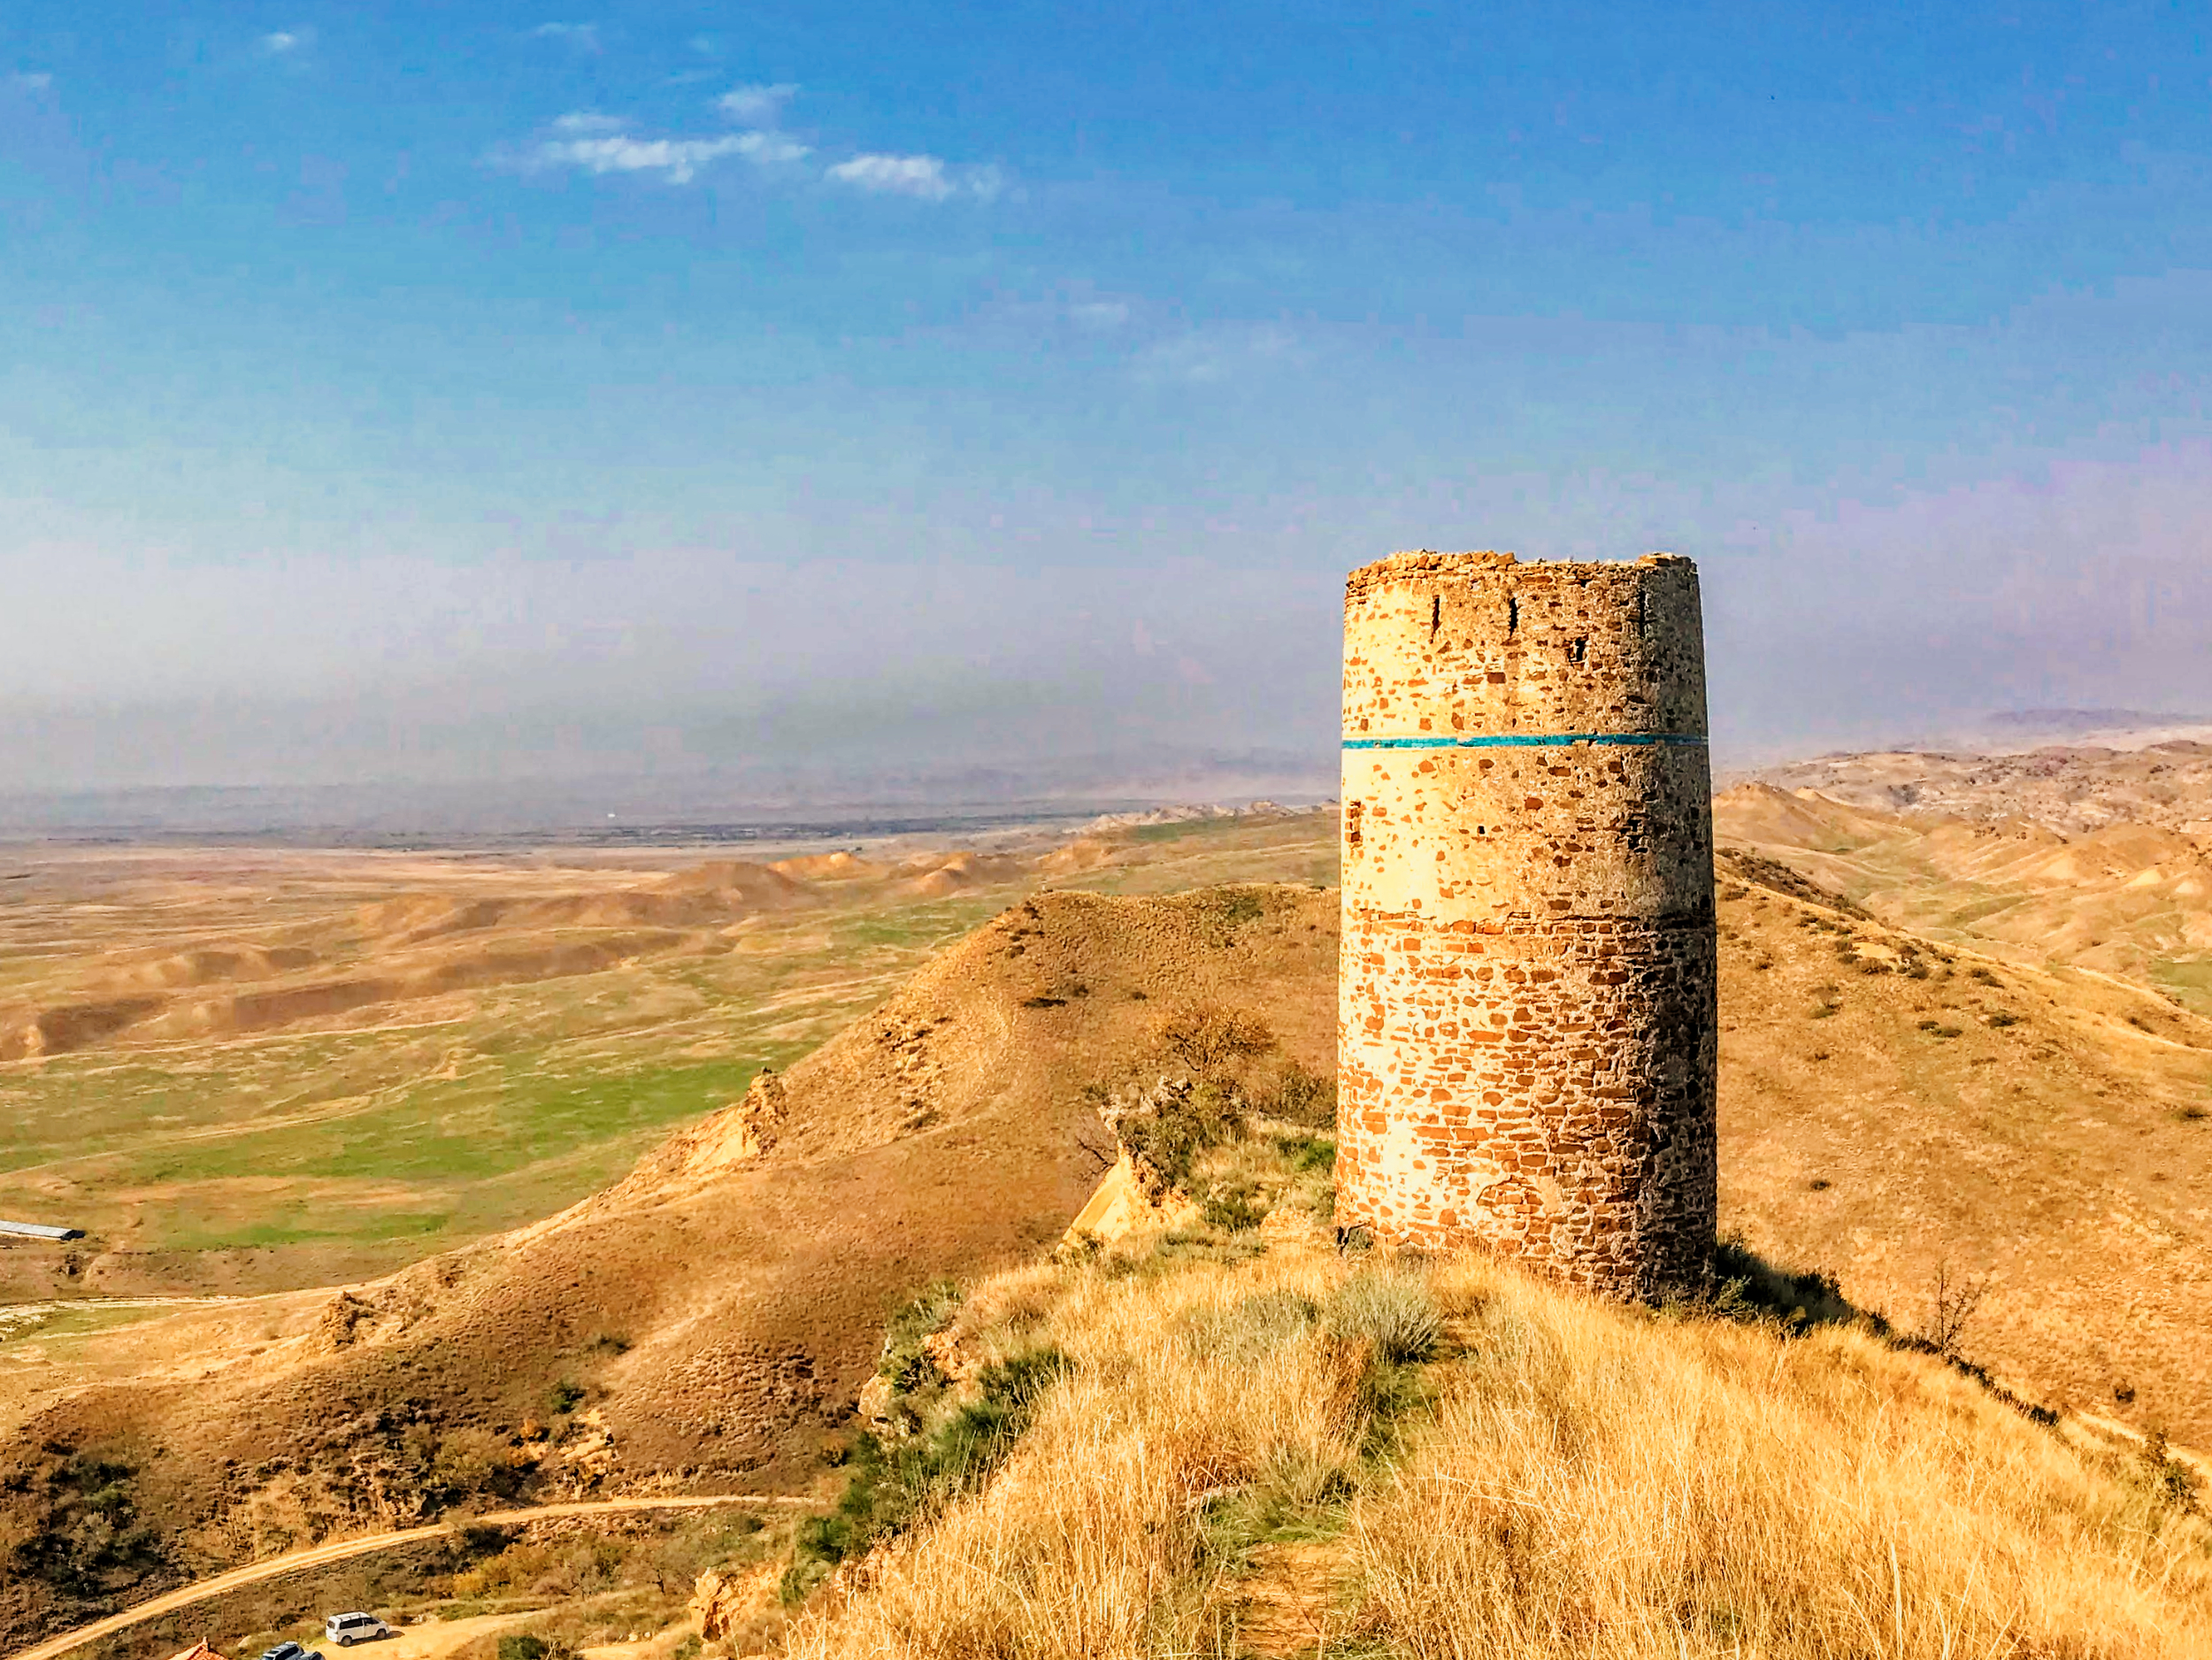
(906, 1364)
(1560, 1478)
(1394, 1310)
(899, 1482)
(1257, 1166)
(1210, 1041)
(1302, 1097)
(1953, 1301)
(2172, 1485)
(1233, 1206)
(89, 1539)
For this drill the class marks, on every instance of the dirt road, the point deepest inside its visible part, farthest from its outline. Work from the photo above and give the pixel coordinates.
(340, 1550)
(435, 1639)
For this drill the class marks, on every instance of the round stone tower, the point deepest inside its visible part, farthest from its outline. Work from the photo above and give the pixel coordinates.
(1527, 1029)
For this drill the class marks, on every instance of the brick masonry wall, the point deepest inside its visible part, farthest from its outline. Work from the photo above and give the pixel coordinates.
(1528, 1031)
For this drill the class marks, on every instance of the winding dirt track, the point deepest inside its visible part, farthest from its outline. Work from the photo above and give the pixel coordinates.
(340, 1550)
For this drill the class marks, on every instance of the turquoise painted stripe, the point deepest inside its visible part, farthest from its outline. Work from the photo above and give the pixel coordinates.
(1533, 741)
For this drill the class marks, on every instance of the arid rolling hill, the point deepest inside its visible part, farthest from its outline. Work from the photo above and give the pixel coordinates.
(246, 1070)
(1891, 1105)
(2125, 898)
(700, 1322)
(2071, 788)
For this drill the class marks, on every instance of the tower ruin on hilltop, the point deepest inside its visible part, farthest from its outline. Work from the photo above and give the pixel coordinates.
(1527, 1024)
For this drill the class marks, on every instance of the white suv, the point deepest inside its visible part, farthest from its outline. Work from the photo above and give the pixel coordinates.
(346, 1630)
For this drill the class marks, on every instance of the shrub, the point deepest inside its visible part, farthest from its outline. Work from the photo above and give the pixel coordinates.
(1302, 1098)
(1208, 1040)
(1304, 1153)
(1179, 1125)
(1239, 907)
(1393, 1310)
(521, 1645)
(898, 1486)
(905, 1362)
(474, 1460)
(1248, 1331)
(2172, 1485)
(1235, 1207)
(564, 1396)
(1753, 1289)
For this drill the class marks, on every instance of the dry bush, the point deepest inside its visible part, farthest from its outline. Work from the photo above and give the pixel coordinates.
(475, 1460)
(1211, 1039)
(1391, 1307)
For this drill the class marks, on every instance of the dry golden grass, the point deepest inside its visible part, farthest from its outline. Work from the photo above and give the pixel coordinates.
(1559, 1477)
(1596, 1484)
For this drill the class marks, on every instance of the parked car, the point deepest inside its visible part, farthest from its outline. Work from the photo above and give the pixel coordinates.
(291, 1651)
(346, 1630)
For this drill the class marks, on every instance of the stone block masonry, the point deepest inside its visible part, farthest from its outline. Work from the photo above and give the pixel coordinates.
(1527, 1027)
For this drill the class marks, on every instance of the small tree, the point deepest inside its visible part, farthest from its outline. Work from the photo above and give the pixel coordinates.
(1952, 1304)
(1210, 1040)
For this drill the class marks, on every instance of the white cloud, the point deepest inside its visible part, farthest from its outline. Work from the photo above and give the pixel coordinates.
(589, 121)
(921, 176)
(926, 178)
(31, 81)
(769, 148)
(1099, 315)
(756, 106)
(599, 150)
(284, 43)
(1215, 352)
(583, 36)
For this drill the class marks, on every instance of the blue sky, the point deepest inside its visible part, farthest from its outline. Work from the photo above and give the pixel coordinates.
(981, 378)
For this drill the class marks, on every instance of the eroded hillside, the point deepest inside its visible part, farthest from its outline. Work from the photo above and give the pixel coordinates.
(2127, 897)
(700, 1322)
(2071, 788)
